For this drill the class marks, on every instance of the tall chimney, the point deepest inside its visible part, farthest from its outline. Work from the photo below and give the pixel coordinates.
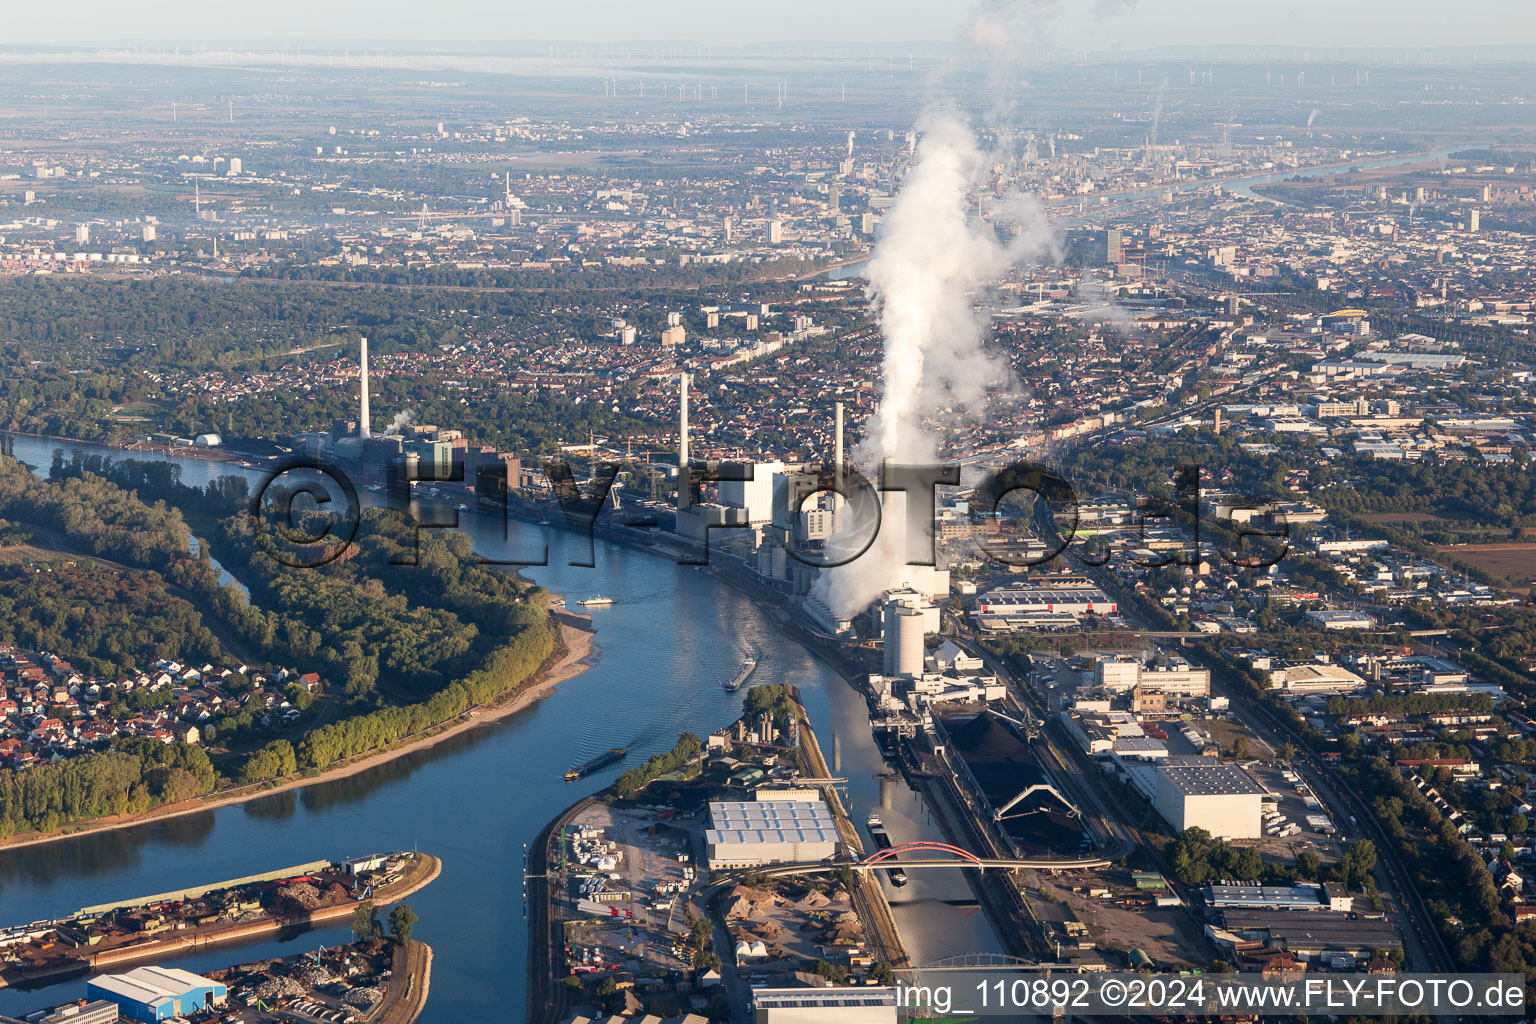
(682, 423)
(684, 494)
(837, 455)
(362, 373)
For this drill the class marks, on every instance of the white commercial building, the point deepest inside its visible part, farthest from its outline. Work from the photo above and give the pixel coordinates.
(1167, 674)
(1342, 620)
(1203, 792)
(753, 833)
(1315, 677)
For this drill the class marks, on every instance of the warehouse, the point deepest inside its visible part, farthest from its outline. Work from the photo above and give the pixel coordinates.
(1063, 596)
(754, 833)
(824, 1006)
(1203, 792)
(1296, 896)
(1311, 936)
(151, 994)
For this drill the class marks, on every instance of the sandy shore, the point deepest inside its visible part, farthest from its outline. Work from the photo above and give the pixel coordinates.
(575, 661)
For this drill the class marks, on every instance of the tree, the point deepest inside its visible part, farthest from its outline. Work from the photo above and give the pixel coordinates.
(606, 988)
(1240, 747)
(1286, 751)
(1358, 863)
(401, 920)
(365, 921)
(1309, 866)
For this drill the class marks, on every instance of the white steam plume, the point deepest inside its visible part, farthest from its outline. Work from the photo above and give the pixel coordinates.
(932, 257)
(402, 419)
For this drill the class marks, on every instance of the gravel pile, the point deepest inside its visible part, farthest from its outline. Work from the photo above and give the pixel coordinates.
(363, 998)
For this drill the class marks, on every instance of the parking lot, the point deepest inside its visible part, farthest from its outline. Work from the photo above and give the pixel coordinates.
(1296, 819)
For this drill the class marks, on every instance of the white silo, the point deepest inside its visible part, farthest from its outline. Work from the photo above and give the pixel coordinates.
(903, 639)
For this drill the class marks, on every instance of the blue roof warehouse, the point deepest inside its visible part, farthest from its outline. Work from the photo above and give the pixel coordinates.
(153, 994)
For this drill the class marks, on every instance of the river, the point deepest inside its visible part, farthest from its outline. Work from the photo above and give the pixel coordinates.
(475, 799)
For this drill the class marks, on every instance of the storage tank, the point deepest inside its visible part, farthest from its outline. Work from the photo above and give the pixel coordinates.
(903, 640)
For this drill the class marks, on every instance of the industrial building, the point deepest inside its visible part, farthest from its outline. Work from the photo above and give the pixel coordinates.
(754, 833)
(1342, 620)
(1314, 677)
(1203, 792)
(152, 994)
(100, 1011)
(1324, 934)
(1296, 896)
(824, 1006)
(755, 495)
(1165, 674)
(1050, 602)
(907, 618)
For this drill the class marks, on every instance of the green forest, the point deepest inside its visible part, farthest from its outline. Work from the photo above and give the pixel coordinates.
(400, 648)
(102, 621)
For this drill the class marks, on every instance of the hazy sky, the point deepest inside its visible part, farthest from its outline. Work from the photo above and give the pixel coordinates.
(1077, 24)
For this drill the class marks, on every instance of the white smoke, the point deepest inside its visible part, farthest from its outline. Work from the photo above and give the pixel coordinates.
(932, 259)
(403, 419)
(1312, 116)
(1157, 110)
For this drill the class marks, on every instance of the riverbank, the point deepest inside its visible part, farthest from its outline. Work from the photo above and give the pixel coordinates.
(571, 659)
(409, 984)
(545, 1000)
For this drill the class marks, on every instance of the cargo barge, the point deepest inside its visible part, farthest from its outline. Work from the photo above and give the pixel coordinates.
(882, 840)
(586, 768)
(742, 674)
